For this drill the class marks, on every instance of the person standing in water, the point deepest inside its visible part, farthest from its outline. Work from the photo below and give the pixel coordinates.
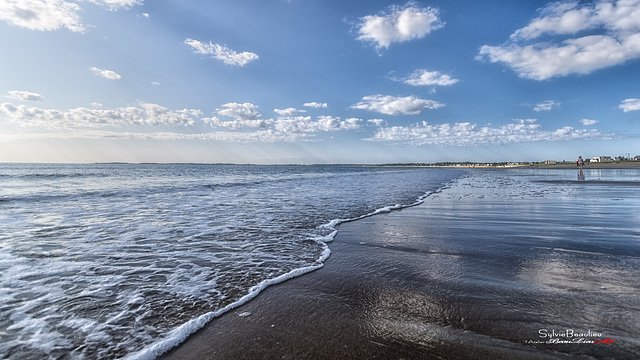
(580, 162)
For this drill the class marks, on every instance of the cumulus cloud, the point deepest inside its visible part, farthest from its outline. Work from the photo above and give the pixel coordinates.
(49, 15)
(629, 105)
(468, 134)
(107, 74)
(42, 15)
(242, 115)
(602, 34)
(377, 122)
(95, 122)
(588, 122)
(333, 123)
(547, 105)
(143, 114)
(316, 105)
(391, 105)
(115, 5)
(238, 123)
(223, 53)
(288, 111)
(304, 124)
(558, 18)
(423, 77)
(245, 111)
(24, 95)
(398, 24)
(224, 136)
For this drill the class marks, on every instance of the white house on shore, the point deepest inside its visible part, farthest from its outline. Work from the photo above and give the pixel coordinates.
(601, 159)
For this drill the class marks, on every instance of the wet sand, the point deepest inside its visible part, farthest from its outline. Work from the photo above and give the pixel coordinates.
(481, 270)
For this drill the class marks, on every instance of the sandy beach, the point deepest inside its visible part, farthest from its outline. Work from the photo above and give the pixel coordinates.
(594, 165)
(504, 264)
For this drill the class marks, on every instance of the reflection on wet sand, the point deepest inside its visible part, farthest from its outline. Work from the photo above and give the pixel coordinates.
(522, 264)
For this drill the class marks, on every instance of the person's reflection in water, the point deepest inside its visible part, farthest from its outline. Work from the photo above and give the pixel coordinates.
(580, 175)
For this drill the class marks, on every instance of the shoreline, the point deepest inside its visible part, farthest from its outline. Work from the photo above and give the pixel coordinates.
(415, 283)
(563, 166)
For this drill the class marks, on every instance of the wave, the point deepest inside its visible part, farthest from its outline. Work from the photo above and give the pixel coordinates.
(211, 236)
(52, 175)
(178, 335)
(239, 184)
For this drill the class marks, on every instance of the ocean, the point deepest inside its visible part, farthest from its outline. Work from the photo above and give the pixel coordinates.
(102, 261)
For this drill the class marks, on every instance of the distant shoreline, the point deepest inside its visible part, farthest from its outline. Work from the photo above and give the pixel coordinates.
(605, 165)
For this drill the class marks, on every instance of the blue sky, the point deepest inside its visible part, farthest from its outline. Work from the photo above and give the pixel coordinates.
(324, 81)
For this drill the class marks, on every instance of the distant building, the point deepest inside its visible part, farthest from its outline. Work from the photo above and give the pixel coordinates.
(601, 159)
(636, 158)
(550, 162)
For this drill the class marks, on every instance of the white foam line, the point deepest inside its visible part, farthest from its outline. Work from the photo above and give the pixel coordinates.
(181, 333)
(333, 223)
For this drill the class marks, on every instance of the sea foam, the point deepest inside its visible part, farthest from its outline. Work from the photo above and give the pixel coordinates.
(128, 260)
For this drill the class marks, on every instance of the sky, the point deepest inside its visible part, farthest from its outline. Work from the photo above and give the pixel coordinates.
(318, 81)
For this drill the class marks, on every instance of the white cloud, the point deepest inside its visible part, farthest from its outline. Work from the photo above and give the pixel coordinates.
(155, 83)
(588, 122)
(42, 15)
(547, 105)
(93, 123)
(49, 15)
(143, 114)
(467, 134)
(629, 105)
(400, 24)
(377, 122)
(288, 111)
(238, 123)
(107, 74)
(243, 115)
(423, 77)
(558, 18)
(614, 38)
(24, 95)
(115, 5)
(333, 123)
(391, 105)
(304, 124)
(224, 136)
(316, 105)
(246, 111)
(223, 53)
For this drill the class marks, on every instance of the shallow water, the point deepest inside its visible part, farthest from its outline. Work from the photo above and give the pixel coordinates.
(538, 258)
(108, 260)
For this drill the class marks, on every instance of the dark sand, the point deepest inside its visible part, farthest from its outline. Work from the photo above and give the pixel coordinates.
(474, 273)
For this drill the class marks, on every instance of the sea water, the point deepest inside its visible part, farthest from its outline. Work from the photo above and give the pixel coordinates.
(105, 261)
